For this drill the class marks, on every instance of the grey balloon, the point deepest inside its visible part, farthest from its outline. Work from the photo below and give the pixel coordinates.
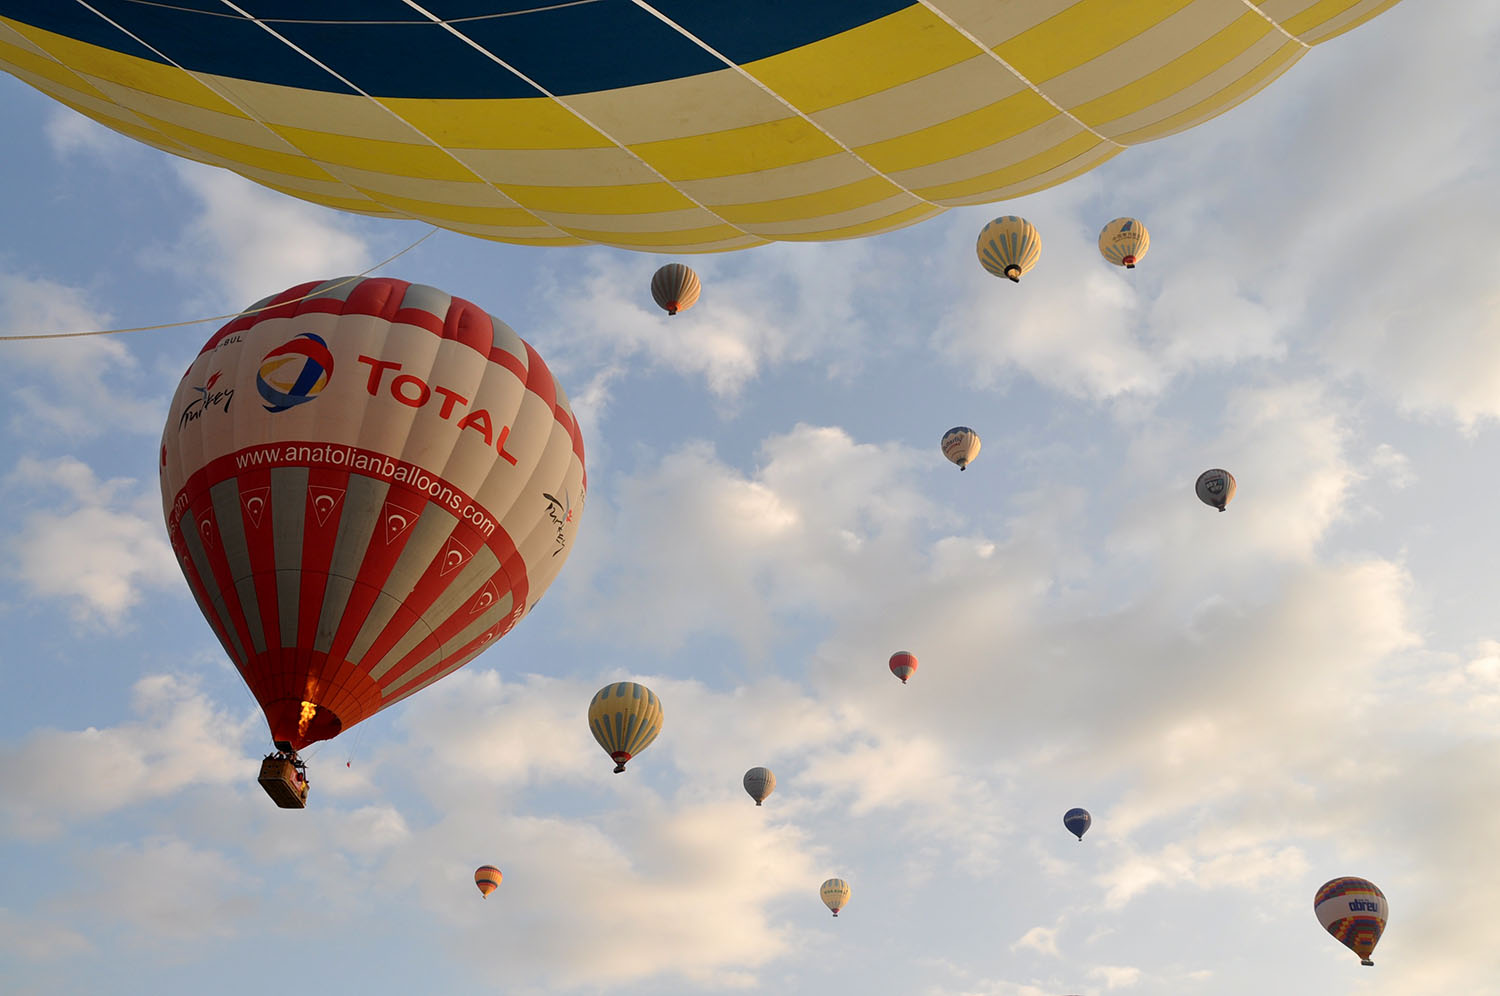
(1215, 487)
(759, 782)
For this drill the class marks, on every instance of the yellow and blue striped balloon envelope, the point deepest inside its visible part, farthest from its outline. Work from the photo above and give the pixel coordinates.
(663, 125)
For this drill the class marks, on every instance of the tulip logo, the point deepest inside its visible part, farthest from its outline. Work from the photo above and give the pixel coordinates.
(295, 372)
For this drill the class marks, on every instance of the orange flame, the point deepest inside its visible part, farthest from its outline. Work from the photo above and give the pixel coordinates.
(308, 711)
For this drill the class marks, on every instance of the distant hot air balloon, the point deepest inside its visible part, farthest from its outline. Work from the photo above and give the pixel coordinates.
(1008, 247)
(961, 445)
(835, 893)
(675, 288)
(1354, 911)
(903, 663)
(760, 783)
(625, 717)
(1215, 487)
(487, 877)
(1077, 821)
(1124, 242)
(366, 484)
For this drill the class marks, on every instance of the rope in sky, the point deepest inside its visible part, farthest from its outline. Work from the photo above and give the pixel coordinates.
(321, 291)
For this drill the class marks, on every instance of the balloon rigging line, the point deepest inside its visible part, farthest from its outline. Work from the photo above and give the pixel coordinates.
(321, 291)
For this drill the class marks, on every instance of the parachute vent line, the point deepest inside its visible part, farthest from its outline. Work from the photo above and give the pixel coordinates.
(319, 292)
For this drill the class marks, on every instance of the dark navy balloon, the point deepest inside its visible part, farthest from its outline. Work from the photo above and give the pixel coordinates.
(1077, 821)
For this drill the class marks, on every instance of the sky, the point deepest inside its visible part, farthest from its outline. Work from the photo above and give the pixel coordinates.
(1250, 703)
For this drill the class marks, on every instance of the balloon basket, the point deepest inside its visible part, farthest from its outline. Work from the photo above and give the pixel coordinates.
(285, 781)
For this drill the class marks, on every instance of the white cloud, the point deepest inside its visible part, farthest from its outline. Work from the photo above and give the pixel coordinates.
(1116, 976)
(780, 304)
(1040, 939)
(34, 939)
(71, 134)
(166, 890)
(81, 387)
(55, 777)
(100, 548)
(250, 242)
(715, 548)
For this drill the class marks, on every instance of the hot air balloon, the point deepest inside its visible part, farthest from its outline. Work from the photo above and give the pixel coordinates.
(1354, 911)
(1215, 487)
(366, 483)
(835, 893)
(1124, 242)
(675, 288)
(487, 877)
(760, 783)
(625, 717)
(1077, 821)
(961, 445)
(903, 663)
(665, 126)
(1008, 247)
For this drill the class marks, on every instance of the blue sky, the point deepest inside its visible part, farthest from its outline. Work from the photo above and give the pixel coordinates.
(1251, 703)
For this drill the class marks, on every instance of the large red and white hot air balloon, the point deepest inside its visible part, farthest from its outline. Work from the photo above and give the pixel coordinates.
(366, 484)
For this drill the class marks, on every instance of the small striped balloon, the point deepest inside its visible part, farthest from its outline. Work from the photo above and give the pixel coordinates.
(903, 663)
(675, 287)
(760, 783)
(1008, 247)
(1124, 242)
(487, 877)
(625, 717)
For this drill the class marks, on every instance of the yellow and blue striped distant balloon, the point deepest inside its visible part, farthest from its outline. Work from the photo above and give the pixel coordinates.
(661, 125)
(1124, 242)
(1008, 247)
(624, 717)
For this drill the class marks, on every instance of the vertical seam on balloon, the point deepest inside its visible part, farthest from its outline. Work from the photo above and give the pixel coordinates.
(929, 4)
(1275, 24)
(731, 64)
(264, 26)
(447, 26)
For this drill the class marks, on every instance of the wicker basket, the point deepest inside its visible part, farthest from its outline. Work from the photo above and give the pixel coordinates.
(283, 782)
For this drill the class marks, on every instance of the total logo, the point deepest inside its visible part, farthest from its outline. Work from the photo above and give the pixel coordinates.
(295, 372)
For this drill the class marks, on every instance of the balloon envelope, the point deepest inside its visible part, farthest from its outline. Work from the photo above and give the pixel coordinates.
(366, 485)
(835, 893)
(1354, 911)
(1077, 821)
(903, 663)
(1215, 487)
(668, 125)
(675, 288)
(624, 717)
(487, 877)
(760, 783)
(960, 445)
(1124, 242)
(1008, 247)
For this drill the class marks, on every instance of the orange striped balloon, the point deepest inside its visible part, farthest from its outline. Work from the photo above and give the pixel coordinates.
(903, 663)
(675, 287)
(487, 877)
